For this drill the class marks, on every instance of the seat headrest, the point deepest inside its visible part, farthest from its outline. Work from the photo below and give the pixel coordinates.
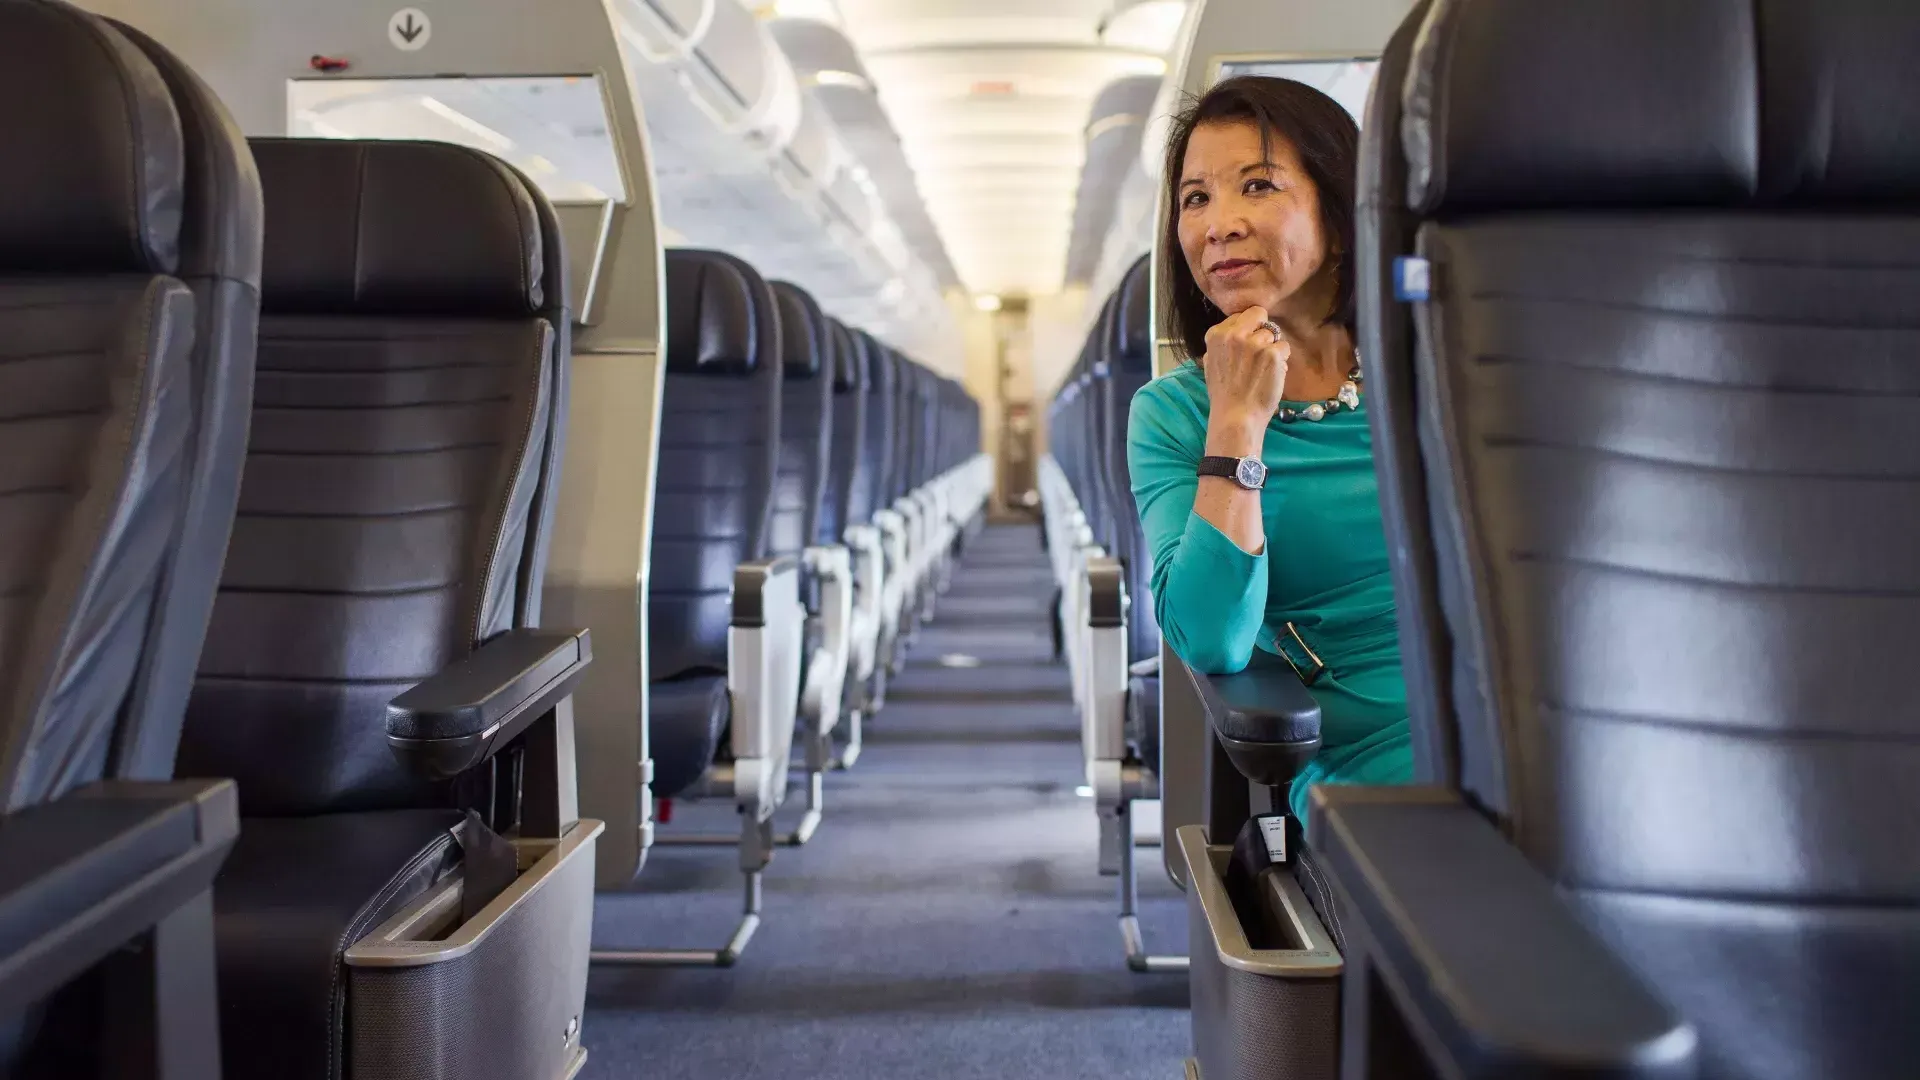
(1512, 104)
(1131, 349)
(92, 160)
(722, 318)
(849, 360)
(373, 227)
(804, 348)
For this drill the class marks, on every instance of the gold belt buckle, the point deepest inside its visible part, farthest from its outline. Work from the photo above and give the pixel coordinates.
(1319, 665)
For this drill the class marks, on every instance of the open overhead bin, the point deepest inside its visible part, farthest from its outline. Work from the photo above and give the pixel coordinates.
(726, 114)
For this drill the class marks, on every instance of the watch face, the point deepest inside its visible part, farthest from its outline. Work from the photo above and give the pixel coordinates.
(1251, 473)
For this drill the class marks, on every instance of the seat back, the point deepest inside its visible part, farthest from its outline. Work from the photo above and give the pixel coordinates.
(806, 399)
(96, 388)
(220, 252)
(719, 437)
(1130, 367)
(907, 429)
(849, 498)
(1650, 455)
(926, 446)
(900, 452)
(882, 407)
(1088, 384)
(413, 337)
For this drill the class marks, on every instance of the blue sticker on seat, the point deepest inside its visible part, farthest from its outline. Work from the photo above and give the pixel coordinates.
(1412, 278)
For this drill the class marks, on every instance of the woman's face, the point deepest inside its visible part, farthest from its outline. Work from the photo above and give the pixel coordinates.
(1249, 224)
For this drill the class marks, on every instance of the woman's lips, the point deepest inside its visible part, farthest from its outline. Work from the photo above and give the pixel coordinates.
(1231, 269)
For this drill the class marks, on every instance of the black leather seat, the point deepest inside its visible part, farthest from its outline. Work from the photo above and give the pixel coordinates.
(806, 435)
(848, 499)
(858, 457)
(726, 622)
(129, 251)
(1129, 344)
(719, 439)
(399, 480)
(882, 409)
(806, 397)
(220, 254)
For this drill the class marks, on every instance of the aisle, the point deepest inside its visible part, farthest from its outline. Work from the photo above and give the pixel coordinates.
(947, 922)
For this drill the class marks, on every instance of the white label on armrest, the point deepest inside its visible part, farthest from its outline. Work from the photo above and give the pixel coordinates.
(1273, 829)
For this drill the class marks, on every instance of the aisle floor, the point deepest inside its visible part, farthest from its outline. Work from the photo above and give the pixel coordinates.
(947, 921)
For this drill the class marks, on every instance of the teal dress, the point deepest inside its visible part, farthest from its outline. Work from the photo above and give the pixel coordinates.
(1323, 569)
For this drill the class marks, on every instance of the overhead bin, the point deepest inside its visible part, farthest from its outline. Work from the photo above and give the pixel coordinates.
(725, 59)
(813, 149)
(831, 73)
(1114, 127)
(724, 107)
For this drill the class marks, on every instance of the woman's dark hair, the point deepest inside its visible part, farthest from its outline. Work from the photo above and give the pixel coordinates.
(1327, 141)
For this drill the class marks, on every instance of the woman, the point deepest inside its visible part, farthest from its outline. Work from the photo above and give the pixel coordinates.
(1251, 463)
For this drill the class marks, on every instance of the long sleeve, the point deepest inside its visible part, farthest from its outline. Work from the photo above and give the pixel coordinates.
(1209, 595)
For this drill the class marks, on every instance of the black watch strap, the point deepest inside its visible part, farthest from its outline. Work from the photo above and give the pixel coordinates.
(1228, 467)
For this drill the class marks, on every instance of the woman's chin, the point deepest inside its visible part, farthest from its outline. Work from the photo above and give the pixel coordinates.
(1233, 301)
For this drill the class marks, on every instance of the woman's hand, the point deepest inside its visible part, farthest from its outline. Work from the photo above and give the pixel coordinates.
(1246, 368)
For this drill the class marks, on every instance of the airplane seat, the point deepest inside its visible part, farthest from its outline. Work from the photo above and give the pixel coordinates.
(719, 446)
(372, 677)
(848, 500)
(800, 494)
(806, 395)
(1099, 428)
(713, 515)
(1131, 362)
(1120, 650)
(1064, 512)
(923, 495)
(221, 244)
(1086, 523)
(129, 261)
(845, 520)
(893, 518)
(726, 620)
(1657, 645)
(880, 459)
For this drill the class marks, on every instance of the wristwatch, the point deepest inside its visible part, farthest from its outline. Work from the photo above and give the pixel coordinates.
(1248, 472)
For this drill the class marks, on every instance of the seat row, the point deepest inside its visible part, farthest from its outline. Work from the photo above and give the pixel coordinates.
(1105, 624)
(283, 425)
(812, 484)
(1652, 623)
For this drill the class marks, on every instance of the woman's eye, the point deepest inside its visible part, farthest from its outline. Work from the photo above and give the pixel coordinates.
(1257, 186)
(1193, 199)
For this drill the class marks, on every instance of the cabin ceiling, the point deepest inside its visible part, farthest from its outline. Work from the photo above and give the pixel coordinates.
(991, 100)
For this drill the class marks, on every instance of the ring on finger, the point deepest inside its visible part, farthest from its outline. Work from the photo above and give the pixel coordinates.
(1273, 328)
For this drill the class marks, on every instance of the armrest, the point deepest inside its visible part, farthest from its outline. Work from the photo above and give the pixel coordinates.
(459, 717)
(1264, 717)
(1490, 968)
(750, 581)
(766, 643)
(1106, 593)
(82, 876)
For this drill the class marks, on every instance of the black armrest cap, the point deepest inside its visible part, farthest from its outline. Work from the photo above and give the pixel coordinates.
(1483, 954)
(1266, 703)
(480, 691)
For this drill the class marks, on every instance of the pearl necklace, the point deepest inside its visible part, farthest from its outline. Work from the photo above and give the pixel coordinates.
(1347, 398)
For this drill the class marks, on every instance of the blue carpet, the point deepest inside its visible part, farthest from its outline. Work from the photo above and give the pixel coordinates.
(947, 921)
